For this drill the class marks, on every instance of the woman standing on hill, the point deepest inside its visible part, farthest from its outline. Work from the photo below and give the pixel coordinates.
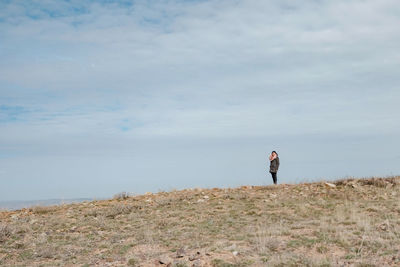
(274, 165)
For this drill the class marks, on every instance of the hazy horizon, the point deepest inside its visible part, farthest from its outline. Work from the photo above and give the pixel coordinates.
(100, 97)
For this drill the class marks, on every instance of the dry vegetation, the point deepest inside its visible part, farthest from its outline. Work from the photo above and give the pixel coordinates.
(351, 223)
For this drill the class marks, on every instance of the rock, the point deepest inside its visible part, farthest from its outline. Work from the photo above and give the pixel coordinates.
(195, 256)
(330, 185)
(198, 263)
(206, 197)
(180, 253)
(235, 253)
(231, 247)
(383, 227)
(246, 187)
(200, 200)
(164, 259)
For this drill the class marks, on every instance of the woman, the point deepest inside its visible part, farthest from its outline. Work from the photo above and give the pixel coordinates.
(274, 165)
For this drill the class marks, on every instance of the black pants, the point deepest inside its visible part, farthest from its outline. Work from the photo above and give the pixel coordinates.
(274, 177)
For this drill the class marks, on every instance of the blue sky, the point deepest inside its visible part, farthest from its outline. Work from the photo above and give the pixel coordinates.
(99, 97)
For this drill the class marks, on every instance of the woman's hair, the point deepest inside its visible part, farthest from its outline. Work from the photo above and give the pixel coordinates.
(274, 152)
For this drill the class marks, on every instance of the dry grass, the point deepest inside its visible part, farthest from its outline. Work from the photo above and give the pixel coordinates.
(43, 209)
(356, 223)
(121, 196)
(5, 232)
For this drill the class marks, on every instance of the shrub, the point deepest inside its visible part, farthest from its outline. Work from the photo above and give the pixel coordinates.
(121, 196)
(132, 262)
(43, 209)
(47, 252)
(5, 232)
(118, 209)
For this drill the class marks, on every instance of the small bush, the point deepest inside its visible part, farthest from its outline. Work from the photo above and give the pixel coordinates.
(43, 209)
(118, 209)
(121, 196)
(378, 182)
(322, 249)
(49, 252)
(5, 232)
(366, 265)
(132, 262)
(180, 264)
(220, 263)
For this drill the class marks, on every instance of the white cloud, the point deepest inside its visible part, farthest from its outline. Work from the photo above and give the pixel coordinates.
(209, 68)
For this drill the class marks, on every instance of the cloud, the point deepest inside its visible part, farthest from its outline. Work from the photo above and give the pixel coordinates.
(201, 68)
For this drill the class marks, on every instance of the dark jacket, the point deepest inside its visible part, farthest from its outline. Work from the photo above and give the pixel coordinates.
(274, 165)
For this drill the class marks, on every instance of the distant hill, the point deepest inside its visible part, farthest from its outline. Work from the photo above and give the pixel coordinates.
(353, 222)
(15, 205)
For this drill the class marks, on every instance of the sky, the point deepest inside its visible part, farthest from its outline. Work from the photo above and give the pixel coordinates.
(101, 97)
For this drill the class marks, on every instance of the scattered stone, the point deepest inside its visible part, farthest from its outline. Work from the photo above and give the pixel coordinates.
(180, 253)
(198, 263)
(246, 187)
(195, 256)
(206, 197)
(164, 259)
(231, 247)
(200, 200)
(330, 185)
(383, 227)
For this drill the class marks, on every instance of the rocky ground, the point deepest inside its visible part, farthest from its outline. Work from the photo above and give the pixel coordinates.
(353, 222)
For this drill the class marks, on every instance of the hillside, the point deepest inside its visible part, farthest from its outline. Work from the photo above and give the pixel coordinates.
(346, 223)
